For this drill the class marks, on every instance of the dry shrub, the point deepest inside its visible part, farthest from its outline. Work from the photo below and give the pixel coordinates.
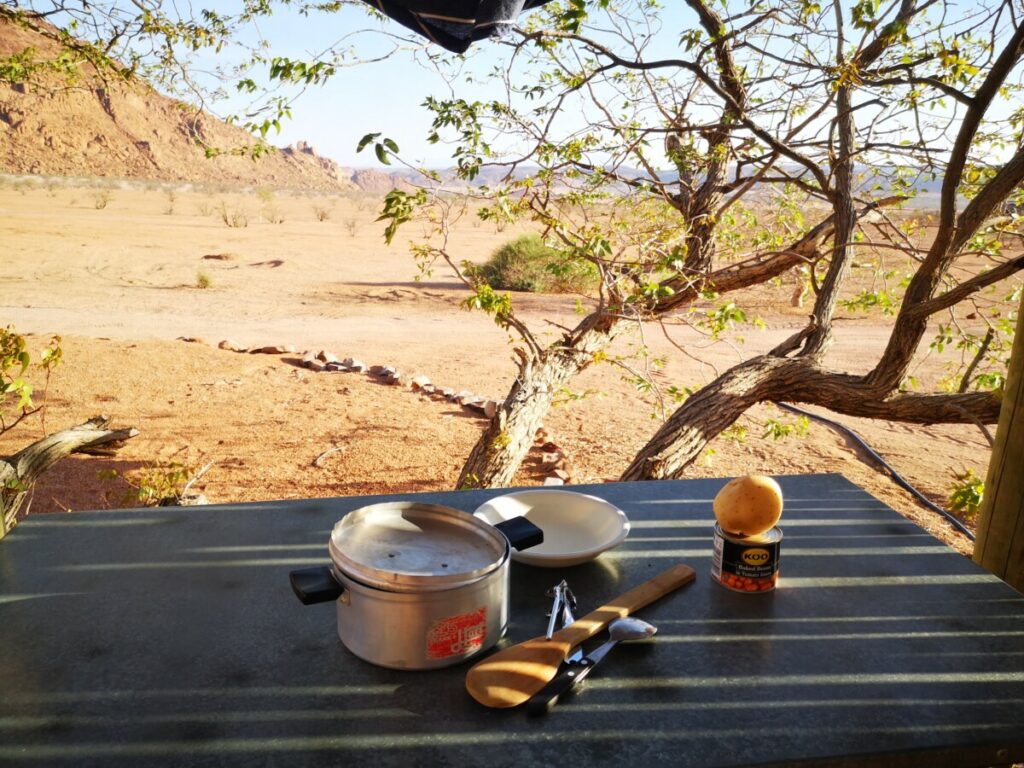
(527, 264)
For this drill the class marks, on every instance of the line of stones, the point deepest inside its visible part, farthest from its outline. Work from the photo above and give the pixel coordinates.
(553, 460)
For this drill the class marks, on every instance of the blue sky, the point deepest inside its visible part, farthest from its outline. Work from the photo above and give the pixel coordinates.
(383, 96)
(380, 96)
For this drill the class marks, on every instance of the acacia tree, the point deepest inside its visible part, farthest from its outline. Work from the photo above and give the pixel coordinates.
(690, 170)
(686, 155)
(971, 71)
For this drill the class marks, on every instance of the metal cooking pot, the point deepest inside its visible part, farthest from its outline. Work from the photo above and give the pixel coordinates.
(417, 586)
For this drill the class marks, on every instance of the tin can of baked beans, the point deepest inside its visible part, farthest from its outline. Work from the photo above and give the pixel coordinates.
(746, 563)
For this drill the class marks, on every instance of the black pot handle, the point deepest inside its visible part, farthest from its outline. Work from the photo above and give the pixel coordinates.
(315, 585)
(521, 533)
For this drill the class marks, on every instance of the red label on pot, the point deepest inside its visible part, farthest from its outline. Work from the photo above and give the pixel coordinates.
(457, 635)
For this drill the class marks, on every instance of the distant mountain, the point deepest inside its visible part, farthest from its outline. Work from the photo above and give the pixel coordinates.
(124, 130)
(380, 182)
(497, 174)
(379, 179)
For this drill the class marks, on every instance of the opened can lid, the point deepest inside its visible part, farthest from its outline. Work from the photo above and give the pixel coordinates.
(414, 547)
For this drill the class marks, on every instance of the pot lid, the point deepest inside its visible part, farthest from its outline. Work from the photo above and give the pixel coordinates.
(413, 547)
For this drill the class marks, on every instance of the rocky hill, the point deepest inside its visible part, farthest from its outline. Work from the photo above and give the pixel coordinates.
(126, 130)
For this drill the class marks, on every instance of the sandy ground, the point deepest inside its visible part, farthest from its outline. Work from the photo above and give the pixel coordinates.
(120, 284)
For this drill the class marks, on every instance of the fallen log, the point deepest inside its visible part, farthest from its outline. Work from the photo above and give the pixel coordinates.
(20, 471)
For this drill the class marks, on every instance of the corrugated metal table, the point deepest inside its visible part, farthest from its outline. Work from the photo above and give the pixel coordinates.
(171, 637)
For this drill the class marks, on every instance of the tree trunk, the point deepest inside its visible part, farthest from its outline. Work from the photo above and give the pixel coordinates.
(19, 472)
(820, 337)
(702, 417)
(509, 436)
(999, 547)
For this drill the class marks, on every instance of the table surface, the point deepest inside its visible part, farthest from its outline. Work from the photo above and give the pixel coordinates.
(171, 637)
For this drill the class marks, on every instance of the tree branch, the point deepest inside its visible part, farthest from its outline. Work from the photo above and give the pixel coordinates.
(761, 267)
(981, 101)
(966, 288)
(707, 80)
(911, 324)
(965, 382)
(988, 199)
(933, 82)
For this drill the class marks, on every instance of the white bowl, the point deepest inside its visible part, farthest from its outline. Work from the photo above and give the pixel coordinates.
(577, 527)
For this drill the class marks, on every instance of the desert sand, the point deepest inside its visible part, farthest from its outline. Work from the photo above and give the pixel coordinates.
(119, 279)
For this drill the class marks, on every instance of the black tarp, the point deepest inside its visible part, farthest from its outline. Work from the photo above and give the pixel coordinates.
(454, 24)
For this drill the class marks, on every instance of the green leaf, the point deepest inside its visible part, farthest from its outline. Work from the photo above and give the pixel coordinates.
(966, 493)
(367, 139)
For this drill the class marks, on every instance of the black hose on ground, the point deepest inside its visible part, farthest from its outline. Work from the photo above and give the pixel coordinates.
(900, 481)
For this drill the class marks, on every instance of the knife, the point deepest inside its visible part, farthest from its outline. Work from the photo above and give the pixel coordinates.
(576, 670)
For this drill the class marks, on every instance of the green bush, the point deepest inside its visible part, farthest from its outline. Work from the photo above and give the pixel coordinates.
(966, 493)
(527, 264)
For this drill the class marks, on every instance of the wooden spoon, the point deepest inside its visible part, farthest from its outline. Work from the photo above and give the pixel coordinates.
(512, 675)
